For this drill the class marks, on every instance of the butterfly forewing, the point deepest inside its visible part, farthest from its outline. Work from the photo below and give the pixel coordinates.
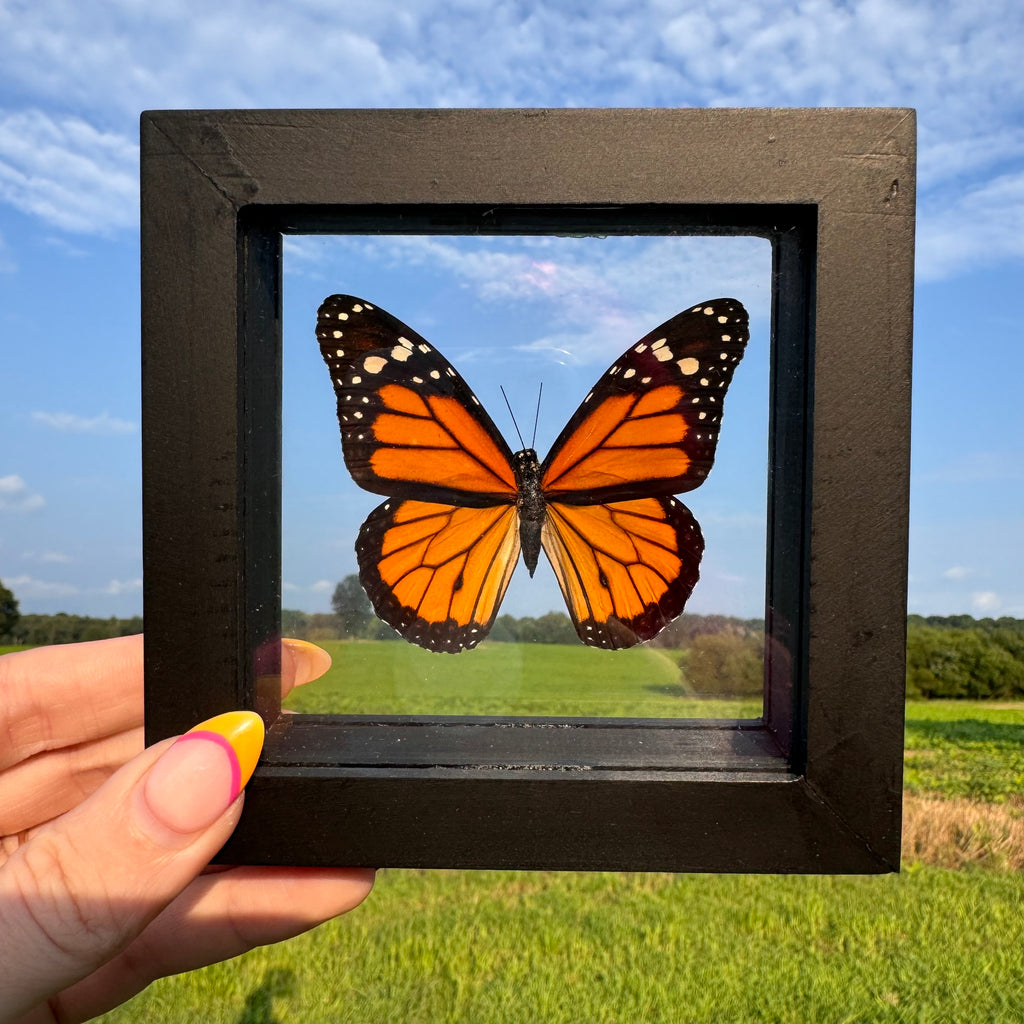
(626, 568)
(437, 573)
(650, 425)
(410, 425)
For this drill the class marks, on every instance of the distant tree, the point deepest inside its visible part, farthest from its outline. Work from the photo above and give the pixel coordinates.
(962, 662)
(70, 629)
(505, 629)
(322, 626)
(352, 606)
(294, 623)
(555, 628)
(9, 614)
(725, 663)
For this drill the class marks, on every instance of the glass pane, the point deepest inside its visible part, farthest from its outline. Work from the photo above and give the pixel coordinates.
(516, 313)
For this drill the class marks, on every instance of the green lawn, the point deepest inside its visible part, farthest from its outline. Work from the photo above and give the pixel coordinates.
(927, 945)
(380, 677)
(968, 748)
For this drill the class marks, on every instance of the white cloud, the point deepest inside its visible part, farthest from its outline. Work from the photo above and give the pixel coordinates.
(116, 587)
(976, 226)
(74, 424)
(985, 601)
(48, 557)
(957, 572)
(15, 496)
(98, 65)
(67, 172)
(322, 587)
(600, 294)
(27, 587)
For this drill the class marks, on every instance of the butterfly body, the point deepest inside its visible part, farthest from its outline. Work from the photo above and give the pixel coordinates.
(437, 556)
(530, 504)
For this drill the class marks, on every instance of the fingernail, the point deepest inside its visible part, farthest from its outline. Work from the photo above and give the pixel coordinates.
(203, 772)
(309, 661)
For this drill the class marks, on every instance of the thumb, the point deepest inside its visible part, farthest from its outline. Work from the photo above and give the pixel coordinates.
(87, 884)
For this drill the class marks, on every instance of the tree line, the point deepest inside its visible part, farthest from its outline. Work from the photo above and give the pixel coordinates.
(947, 656)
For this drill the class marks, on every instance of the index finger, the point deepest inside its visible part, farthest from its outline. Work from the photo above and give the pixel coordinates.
(61, 696)
(58, 696)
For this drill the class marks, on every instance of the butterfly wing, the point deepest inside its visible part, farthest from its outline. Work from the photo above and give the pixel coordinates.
(436, 558)
(650, 425)
(626, 568)
(437, 573)
(410, 425)
(625, 552)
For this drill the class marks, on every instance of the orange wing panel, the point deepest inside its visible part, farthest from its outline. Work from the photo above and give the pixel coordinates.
(626, 569)
(437, 573)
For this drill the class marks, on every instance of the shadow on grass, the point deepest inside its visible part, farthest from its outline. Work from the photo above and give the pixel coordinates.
(968, 730)
(277, 983)
(668, 690)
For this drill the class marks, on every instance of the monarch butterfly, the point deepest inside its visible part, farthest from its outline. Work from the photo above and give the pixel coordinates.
(436, 557)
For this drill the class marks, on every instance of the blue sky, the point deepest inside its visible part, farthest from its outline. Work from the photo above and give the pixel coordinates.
(74, 77)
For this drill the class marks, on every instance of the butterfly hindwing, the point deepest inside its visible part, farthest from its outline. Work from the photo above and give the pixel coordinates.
(437, 573)
(410, 425)
(626, 568)
(650, 425)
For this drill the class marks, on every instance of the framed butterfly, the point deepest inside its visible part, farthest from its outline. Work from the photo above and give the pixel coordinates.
(437, 556)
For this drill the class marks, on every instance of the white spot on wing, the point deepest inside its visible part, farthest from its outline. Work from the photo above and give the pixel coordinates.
(374, 364)
(400, 353)
(337, 334)
(688, 366)
(629, 373)
(435, 374)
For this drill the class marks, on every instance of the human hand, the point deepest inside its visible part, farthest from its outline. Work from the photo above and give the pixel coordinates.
(103, 844)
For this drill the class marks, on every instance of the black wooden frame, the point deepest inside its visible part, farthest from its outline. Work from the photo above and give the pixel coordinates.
(815, 785)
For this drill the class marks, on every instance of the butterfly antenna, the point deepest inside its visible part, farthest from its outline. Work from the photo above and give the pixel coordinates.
(536, 416)
(513, 415)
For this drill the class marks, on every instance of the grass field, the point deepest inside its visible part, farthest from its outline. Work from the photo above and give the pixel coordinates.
(925, 946)
(929, 945)
(508, 679)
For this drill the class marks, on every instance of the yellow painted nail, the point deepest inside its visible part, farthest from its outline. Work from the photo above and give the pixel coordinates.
(241, 734)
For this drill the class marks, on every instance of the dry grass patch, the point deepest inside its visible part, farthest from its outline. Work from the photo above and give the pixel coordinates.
(959, 833)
